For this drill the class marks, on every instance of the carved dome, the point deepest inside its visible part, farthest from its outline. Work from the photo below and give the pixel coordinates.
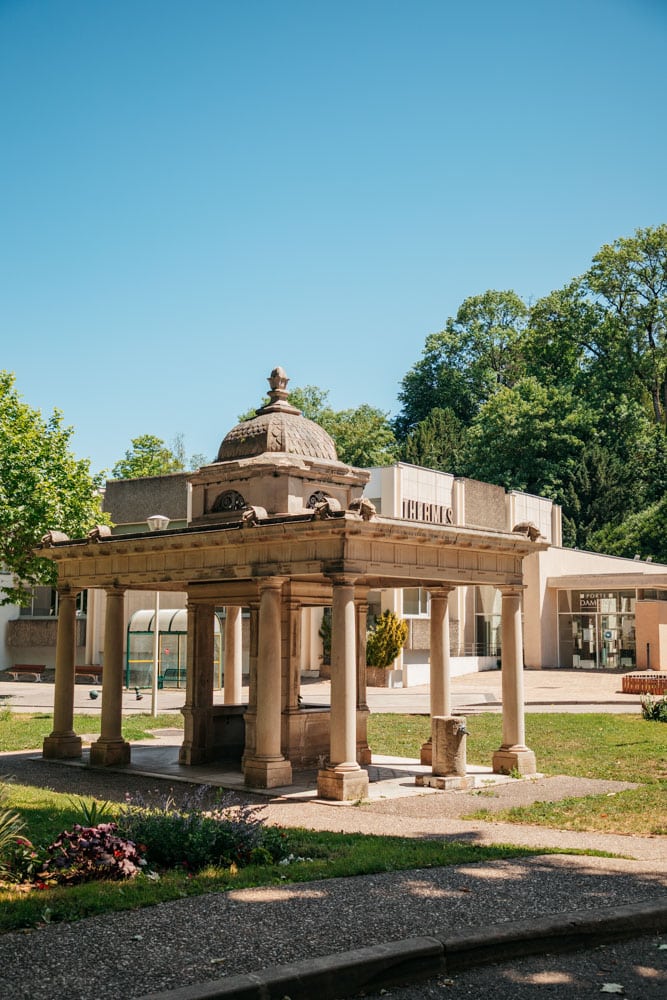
(277, 427)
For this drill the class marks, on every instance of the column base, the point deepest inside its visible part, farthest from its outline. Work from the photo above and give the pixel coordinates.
(342, 783)
(108, 753)
(514, 759)
(267, 772)
(189, 755)
(426, 753)
(59, 746)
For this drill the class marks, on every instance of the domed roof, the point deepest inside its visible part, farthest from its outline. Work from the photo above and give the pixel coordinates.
(277, 427)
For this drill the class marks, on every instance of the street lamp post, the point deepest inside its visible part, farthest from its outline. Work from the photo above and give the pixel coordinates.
(157, 522)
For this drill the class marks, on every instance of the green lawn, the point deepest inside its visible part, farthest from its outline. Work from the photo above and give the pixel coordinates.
(27, 731)
(618, 747)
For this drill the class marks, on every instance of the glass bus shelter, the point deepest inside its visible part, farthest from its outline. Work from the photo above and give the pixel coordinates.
(172, 645)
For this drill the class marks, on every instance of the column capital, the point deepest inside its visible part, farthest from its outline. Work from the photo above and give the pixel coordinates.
(343, 579)
(512, 589)
(115, 591)
(270, 583)
(67, 590)
(442, 590)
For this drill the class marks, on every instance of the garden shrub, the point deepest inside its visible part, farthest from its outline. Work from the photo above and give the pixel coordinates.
(11, 826)
(654, 710)
(86, 853)
(193, 836)
(385, 641)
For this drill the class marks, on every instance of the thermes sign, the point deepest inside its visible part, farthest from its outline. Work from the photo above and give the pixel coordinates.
(434, 513)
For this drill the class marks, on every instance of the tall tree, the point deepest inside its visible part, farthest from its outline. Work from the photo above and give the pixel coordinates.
(629, 279)
(42, 487)
(529, 437)
(437, 442)
(478, 353)
(148, 456)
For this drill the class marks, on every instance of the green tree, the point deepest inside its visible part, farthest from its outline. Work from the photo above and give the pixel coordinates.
(478, 353)
(42, 487)
(148, 456)
(385, 640)
(628, 278)
(643, 533)
(529, 437)
(437, 442)
(363, 436)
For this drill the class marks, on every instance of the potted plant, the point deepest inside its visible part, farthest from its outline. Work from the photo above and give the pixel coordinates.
(383, 644)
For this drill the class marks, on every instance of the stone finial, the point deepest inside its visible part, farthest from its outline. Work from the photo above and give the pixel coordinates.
(364, 507)
(529, 529)
(52, 537)
(99, 531)
(278, 394)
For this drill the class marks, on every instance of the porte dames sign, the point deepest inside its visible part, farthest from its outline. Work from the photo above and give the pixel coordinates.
(433, 513)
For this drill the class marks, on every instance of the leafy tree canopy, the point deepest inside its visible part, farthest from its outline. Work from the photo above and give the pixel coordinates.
(477, 353)
(148, 456)
(42, 487)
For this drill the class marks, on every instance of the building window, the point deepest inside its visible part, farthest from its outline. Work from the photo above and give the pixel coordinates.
(488, 621)
(44, 603)
(416, 602)
(596, 629)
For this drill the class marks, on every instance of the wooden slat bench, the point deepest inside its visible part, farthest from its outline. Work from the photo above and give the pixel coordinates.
(36, 669)
(92, 670)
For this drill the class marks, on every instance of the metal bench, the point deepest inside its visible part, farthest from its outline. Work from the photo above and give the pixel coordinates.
(36, 669)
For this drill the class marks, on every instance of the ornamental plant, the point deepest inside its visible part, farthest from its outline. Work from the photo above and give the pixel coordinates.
(654, 709)
(385, 641)
(87, 853)
(193, 836)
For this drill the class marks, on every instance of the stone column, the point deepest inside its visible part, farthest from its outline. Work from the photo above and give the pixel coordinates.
(233, 656)
(63, 741)
(364, 754)
(266, 767)
(198, 709)
(440, 681)
(513, 754)
(343, 779)
(291, 659)
(111, 748)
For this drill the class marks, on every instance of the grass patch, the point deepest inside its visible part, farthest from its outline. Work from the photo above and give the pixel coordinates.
(586, 745)
(26, 731)
(622, 747)
(321, 854)
(641, 812)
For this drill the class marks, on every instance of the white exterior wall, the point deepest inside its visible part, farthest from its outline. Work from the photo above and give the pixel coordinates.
(540, 604)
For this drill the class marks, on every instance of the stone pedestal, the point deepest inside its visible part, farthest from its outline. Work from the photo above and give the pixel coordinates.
(343, 783)
(517, 759)
(262, 772)
(59, 746)
(449, 746)
(426, 753)
(109, 753)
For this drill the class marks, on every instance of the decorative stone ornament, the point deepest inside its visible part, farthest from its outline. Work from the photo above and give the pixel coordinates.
(278, 461)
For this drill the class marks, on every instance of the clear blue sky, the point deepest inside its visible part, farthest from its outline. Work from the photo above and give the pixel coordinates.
(194, 191)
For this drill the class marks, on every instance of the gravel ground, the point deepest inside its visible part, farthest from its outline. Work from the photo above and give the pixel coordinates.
(639, 967)
(204, 938)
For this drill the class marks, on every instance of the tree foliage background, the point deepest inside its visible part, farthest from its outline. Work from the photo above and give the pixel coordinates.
(565, 397)
(42, 487)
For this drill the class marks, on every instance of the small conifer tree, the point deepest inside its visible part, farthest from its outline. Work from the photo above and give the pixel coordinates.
(385, 641)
